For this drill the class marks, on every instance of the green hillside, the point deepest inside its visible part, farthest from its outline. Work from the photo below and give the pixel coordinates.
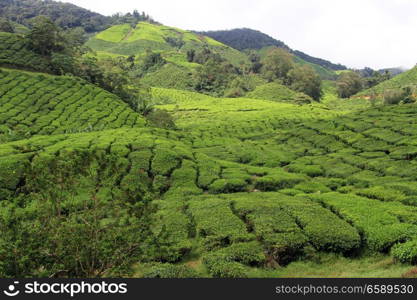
(324, 73)
(405, 79)
(14, 52)
(244, 39)
(125, 40)
(278, 92)
(34, 104)
(242, 183)
(262, 182)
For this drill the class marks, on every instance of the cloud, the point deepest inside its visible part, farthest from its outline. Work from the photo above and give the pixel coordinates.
(358, 33)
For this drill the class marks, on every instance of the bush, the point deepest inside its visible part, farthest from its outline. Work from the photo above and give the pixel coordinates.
(275, 182)
(216, 224)
(392, 97)
(161, 119)
(406, 253)
(250, 253)
(220, 268)
(309, 170)
(224, 186)
(170, 271)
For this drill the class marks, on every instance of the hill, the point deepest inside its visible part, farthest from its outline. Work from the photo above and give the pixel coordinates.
(408, 78)
(172, 42)
(14, 52)
(65, 15)
(291, 172)
(325, 73)
(33, 104)
(245, 38)
(278, 92)
(252, 186)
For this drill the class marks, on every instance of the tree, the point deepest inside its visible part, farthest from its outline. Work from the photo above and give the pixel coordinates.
(6, 26)
(152, 59)
(277, 64)
(376, 78)
(255, 60)
(190, 55)
(45, 36)
(304, 79)
(212, 77)
(349, 84)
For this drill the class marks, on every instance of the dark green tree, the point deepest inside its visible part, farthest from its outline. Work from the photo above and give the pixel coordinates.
(277, 64)
(304, 79)
(6, 26)
(45, 36)
(348, 84)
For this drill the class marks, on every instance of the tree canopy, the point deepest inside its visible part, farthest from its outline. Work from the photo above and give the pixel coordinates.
(348, 84)
(304, 79)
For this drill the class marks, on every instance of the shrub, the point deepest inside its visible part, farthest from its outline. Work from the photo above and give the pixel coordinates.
(224, 186)
(277, 181)
(406, 253)
(392, 97)
(170, 271)
(250, 253)
(380, 226)
(216, 224)
(161, 119)
(220, 268)
(309, 170)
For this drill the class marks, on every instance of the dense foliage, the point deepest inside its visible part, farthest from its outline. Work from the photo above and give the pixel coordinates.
(278, 66)
(65, 15)
(245, 38)
(348, 84)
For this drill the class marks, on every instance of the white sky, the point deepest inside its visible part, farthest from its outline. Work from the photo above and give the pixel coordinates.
(357, 33)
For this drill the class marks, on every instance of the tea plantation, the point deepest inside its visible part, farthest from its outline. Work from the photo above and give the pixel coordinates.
(245, 187)
(43, 104)
(14, 52)
(172, 42)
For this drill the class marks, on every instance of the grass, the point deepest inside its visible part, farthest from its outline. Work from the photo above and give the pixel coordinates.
(336, 266)
(324, 73)
(115, 34)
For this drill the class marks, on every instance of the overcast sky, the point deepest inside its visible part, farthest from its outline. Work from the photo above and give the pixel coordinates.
(357, 33)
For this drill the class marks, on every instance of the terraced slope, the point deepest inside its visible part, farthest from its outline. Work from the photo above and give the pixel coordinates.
(246, 192)
(14, 52)
(405, 79)
(325, 73)
(172, 42)
(32, 104)
(280, 93)
(244, 187)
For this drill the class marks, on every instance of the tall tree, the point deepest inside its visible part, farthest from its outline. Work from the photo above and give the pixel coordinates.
(348, 84)
(304, 79)
(6, 26)
(45, 36)
(277, 64)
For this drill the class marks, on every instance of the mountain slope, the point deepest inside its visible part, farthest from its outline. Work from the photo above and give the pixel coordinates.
(125, 40)
(33, 104)
(65, 15)
(14, 52)
(245, 38)
(408, 78)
